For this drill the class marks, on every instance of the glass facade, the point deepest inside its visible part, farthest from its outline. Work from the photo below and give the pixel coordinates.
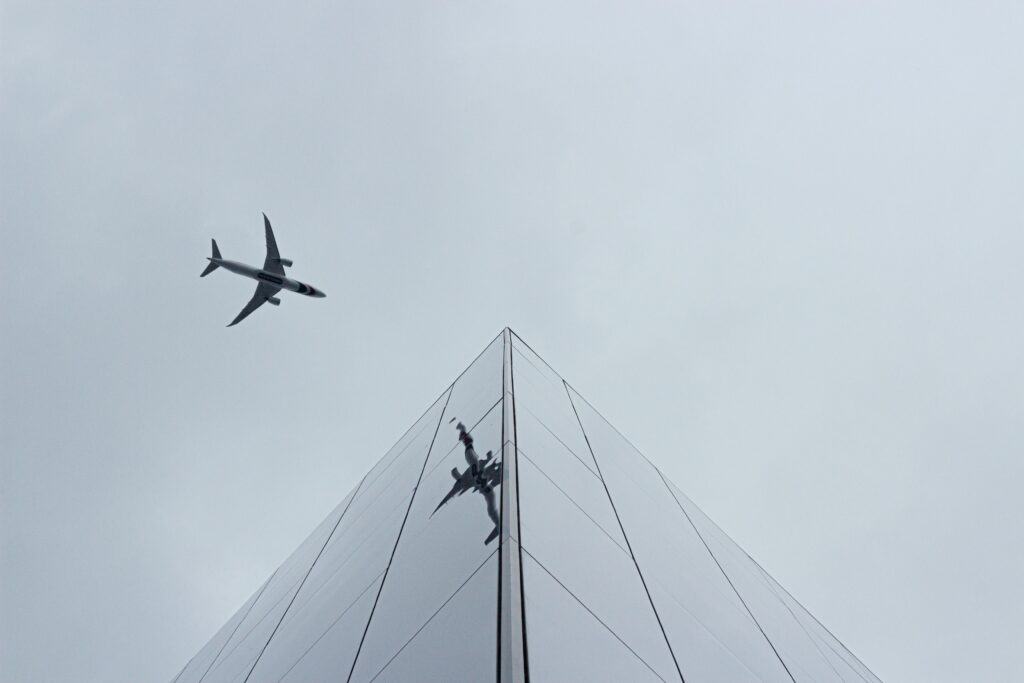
(610, 572)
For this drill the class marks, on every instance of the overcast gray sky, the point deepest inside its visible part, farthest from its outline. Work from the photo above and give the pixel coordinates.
(778, 245)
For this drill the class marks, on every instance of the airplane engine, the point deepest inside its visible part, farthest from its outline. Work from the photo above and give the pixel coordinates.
(285, 262)
(273, 300)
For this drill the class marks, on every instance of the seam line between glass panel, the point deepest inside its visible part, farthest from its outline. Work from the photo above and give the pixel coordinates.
(394, 548)
(252, 627)
(563, 380)
(355, 494)
(443, 456)
(235, 629)
(559, 440)
(725, 574)
(625, 536)
(591, 613)
(427, 411)
(557, 374)
(806, 632)
(332, 625)
(772, 580)
(726, 534)
(570, 499)
(431, 617)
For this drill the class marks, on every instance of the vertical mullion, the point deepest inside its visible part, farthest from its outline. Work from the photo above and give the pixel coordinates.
(512, 626)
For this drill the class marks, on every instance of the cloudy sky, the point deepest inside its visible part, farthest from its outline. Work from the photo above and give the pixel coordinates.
(777, 244)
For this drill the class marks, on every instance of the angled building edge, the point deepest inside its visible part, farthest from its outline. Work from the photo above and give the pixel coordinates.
(512, 534)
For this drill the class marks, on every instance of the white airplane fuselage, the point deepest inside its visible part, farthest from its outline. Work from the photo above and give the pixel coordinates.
(270, 278)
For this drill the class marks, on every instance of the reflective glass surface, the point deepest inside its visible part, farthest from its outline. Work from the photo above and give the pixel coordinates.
(458, 643)
(475, 391)
(329, 655)
(591, 565)
(239, 653)
(831, 647)
(452, 524)
(712, 634)
(543, 411)
(549, 436)
(328, 614)
(808, 655)
(568, 522)
(623, 577)
(204, 659)
(567, 642)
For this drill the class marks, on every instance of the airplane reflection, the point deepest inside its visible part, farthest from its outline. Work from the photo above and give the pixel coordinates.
(482, 476)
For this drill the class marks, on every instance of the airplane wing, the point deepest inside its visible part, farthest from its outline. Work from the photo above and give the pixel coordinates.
(263, 292)
(272, 264)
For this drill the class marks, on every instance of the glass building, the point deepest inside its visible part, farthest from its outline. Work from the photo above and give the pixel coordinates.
(512, 534)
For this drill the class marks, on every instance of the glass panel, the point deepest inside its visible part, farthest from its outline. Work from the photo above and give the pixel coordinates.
(702, 655)
(473, 394)
(366, 535)
(806, 655)
(842, 660)
(238, 658)
(568, 522)
(449, 476)
(835, 649)
(350, 564)
(566, 642)
(458, 642)
(241, 651)
(391, 481)
(329, 657)
(591, 564)
(452, 524)
(354, 559)
(200, 664)
(713, 635)
(543, 410)
(566, 473)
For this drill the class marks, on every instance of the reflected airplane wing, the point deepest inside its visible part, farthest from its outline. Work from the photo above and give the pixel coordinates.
(490, 472)
(463, 483)
(263, 292)
(272, 264)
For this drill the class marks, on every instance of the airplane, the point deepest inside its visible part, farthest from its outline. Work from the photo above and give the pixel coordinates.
(271, 277)
(482, 476)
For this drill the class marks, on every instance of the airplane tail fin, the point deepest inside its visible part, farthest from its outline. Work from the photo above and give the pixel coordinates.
(213, 266)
